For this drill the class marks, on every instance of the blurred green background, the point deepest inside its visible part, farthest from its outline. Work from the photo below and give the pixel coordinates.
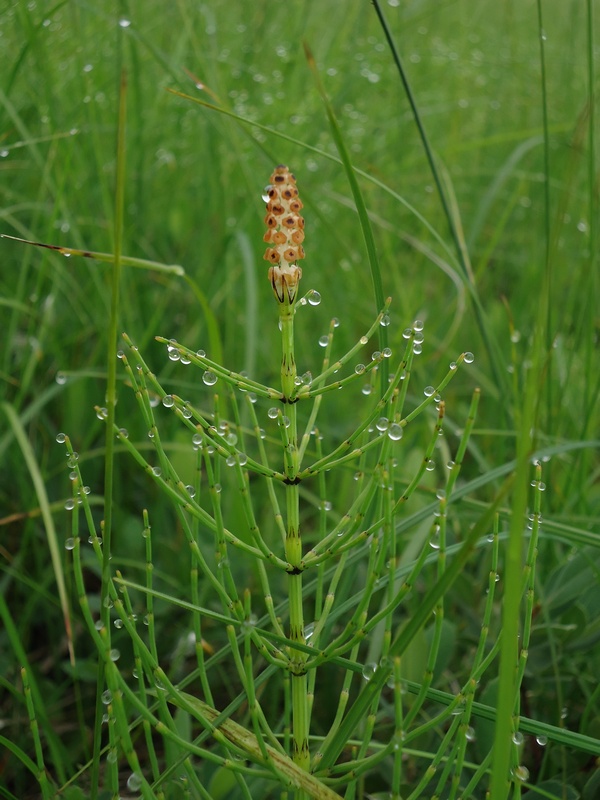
(193, 197)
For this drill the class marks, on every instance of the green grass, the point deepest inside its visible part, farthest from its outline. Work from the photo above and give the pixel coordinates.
(482, 224)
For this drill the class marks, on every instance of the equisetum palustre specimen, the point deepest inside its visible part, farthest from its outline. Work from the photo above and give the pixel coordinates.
(228, 447)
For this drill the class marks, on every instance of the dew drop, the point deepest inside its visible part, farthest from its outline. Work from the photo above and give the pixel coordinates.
(124, 23)
(385, 321)
(382, 424)
(359, 369)
(273, 413)
(106, 697)
(335, 322)
(314, 299)
(369, 670)
(417, 349)
(70, 543)
(114, 654)
(173, 354)
(521, 773)
(134, 782)
(364, 340)
(418, 325)
(70, 505)
(517, 737)
(157, 471)
(209, 378)
(60, 378)
(387, 352)
(452, 365)
(123, 433)
(395, 432)
(190, 490)
(231, 439)
(200, 353)
(217, 488)
(376, 355)
(407, 333)
(230, 461)
(428, 391)
(61, 438)
(542, 740)
(469, 358)
(265, 194)
(242, 459)
(323, 341)
(118, 623)
(112, 755)
(430, 465)
(367, 389)
(470, 734)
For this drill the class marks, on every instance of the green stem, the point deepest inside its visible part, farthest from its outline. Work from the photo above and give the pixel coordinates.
(293, 548)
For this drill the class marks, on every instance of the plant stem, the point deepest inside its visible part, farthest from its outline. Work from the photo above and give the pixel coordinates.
(293, 549)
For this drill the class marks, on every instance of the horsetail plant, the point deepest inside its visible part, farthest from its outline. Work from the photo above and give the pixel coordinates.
(353, 628)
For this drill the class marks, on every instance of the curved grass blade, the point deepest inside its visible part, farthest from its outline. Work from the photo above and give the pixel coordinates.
(107, 258)
(40, 490)
(363, 216)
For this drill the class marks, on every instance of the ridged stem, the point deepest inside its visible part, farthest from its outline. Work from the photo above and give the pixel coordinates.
(293, 549)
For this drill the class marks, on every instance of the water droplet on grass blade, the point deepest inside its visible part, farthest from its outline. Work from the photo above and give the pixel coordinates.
(134, 782)
(521, 773)
(61, 438)
(124, 23)
(209, 378)
(369, 670)
(314, 299)
(323, 341)
(70, 543)
(469, 358)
